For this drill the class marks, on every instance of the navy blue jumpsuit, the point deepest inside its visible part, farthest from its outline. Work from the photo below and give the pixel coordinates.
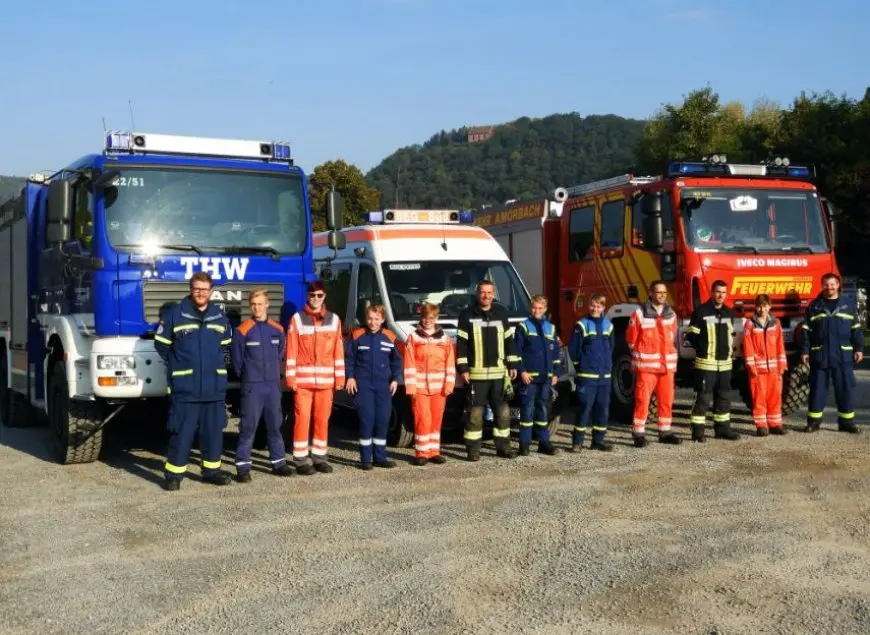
(536, 345)
(258, 355)
(192, 344)
(832, 336)
(374, 361)
(591, 351)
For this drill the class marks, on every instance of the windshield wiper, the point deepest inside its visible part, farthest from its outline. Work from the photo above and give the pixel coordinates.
(742, 248)
(800, 249)
(176, 247)
(249, 249)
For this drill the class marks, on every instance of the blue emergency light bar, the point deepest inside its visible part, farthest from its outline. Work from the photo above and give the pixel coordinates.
(140, 143)
(718, 166)
(419, 216)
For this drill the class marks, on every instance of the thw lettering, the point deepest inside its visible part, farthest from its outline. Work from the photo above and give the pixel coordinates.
(218, 268)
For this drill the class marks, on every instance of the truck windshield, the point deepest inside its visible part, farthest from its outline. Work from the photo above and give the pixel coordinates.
(753, 220)
(450, 284)
(194, 209)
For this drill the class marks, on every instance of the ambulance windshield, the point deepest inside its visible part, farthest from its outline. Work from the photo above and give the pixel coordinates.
(450, 284)
(207, 210)
(753, 220)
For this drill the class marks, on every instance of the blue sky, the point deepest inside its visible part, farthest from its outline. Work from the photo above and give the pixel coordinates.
(357, 79)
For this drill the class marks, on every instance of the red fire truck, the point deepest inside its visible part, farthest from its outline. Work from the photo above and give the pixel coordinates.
(762, 228)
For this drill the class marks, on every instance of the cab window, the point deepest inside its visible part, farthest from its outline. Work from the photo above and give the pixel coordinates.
(368, 291)
(612, 225)
(580, 228)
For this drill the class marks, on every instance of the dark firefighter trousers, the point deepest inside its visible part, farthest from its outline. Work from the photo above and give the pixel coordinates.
(594, 398)
(843, 378)
(480, 393)
(186, 419)
(260, 401)
(712, 387)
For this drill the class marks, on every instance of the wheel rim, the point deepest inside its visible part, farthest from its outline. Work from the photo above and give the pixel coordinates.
(624, 379)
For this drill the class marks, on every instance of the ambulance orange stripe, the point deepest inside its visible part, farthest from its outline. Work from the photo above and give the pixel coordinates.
(403, 233)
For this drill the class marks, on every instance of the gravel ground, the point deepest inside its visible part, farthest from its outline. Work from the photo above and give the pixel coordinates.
(758, 536)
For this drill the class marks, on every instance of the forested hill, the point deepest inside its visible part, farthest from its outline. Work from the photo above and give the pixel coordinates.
(522, 159)
(10, 186)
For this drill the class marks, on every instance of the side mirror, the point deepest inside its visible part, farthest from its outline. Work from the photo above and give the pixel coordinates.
(334, 211)
(653, 234)
(57, 233)
(833, 221)
(57, 214)
(106, 178)
(336, 240)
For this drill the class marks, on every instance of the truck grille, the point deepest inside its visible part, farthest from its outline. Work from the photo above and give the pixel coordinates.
(232, 297)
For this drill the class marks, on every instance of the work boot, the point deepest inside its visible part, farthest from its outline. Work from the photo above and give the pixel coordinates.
(437, 459)
(323, 468)
(575, 448)
(172, 484)
(243, 477)
(305, 469)
(365, 467)
(220, 479)
(601, 446)
(506, 453)
(283, 470)
(640, 441)
(762, 432)
(812, 426)
(850, 427)
(778, 430)
(473, 450)
(725, 432)
(547, 448)
(419, 461)
(524, 449)
(389, 463)
(669, 438)
(698, 432)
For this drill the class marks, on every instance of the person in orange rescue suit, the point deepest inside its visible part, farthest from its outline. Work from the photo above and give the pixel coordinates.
(764, 356)
(191, 339)
(832, 343)
(430, 374)
(711, 334)
(373, 365)
(651, 336)
(314, 367)
(537, 347)
(258, 354)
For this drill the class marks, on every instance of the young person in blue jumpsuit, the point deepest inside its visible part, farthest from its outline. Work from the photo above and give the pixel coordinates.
(191, 339)
(536, 345)
(373, 365)
(258, 356)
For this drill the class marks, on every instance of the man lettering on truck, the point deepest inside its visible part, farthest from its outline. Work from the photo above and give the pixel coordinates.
(484, 353)
(833, 342)
(258, 350)
(191, 339)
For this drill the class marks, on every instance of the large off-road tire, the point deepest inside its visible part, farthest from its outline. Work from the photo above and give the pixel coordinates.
(77, 427)
(795, 389)
(622, 397)
(401, 431)
(561, 408)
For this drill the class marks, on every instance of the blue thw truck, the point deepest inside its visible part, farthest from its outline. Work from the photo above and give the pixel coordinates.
(91, 255)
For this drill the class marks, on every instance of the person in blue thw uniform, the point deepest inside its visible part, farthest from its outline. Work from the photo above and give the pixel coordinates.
(591, 350)
(373, 365)
(258, 355)
(191, 339)
(536, 345)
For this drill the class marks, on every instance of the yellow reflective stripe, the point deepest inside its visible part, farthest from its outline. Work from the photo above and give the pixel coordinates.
(815, 348)
(533, 374)
(473, 435)
(806, 326)
(721, 417)
(541, 423)
(818, 316)
(178, 373)
(814, 415)
(846, 415)
(216, 327)
(579, 429)
(846, 348)
(845, 316)
(477, 336)
(462, 360)
(162, 339)
(526, 424)
(221, 371)
(227, 341)
(698, 419)
(599, 428)
(856, 326)
(461, 333)
(211, 465)
(185, 327)
(589, 375)
(693, 329)
(174, 469)
(501, 433)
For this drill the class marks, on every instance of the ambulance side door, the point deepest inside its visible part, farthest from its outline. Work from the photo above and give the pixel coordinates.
(366, 292)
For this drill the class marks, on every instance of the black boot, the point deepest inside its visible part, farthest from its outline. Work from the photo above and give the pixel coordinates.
(389, 463)
(669, 438)
(437, 459)
(762, 432)
(505, 453)
(305, 469)
(598, 441)
(547, 448)
(472, 448)
(778, 430)
(812, 426)
(172, 484)
(283, 470)
(850, 426)
(698, 432)
(419, 461)
(243, 477)
(640, 441)
(724, 431)
(524, 449)
(220, 479)
(323, 467)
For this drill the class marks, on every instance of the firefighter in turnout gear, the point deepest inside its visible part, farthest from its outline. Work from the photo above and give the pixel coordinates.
(374, 366)
(833, 342)
(651, 336)
(191, 338)
(591, 350)
(764, 356)
(538, 351)
(484, 355)
(258, 354)
(711, 334)
(314, 369)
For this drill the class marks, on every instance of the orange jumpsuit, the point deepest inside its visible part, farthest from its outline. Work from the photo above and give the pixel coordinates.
(651, 336)
(430, 374)
(314, 368)
(764, 356)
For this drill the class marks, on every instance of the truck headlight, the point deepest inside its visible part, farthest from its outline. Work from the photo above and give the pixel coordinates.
(116, 362)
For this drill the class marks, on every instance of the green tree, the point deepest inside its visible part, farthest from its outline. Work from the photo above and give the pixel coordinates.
(348, 181)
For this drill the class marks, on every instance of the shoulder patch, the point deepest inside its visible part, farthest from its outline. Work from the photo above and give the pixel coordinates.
(357, 333)
(246, 326)
(389, 335)
(274, 324)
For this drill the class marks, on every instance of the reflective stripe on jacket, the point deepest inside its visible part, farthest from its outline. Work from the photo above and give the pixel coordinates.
(764, 347)
(537, 349)
(591, 348)
(832, 337)
(651, 337)
(258, 351)
(485, 343)
(372, 358)
(315, 354)
(430, 363)
(711, 334)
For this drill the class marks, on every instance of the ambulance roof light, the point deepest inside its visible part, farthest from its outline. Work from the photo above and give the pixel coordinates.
(118, 142)
(419, 216)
